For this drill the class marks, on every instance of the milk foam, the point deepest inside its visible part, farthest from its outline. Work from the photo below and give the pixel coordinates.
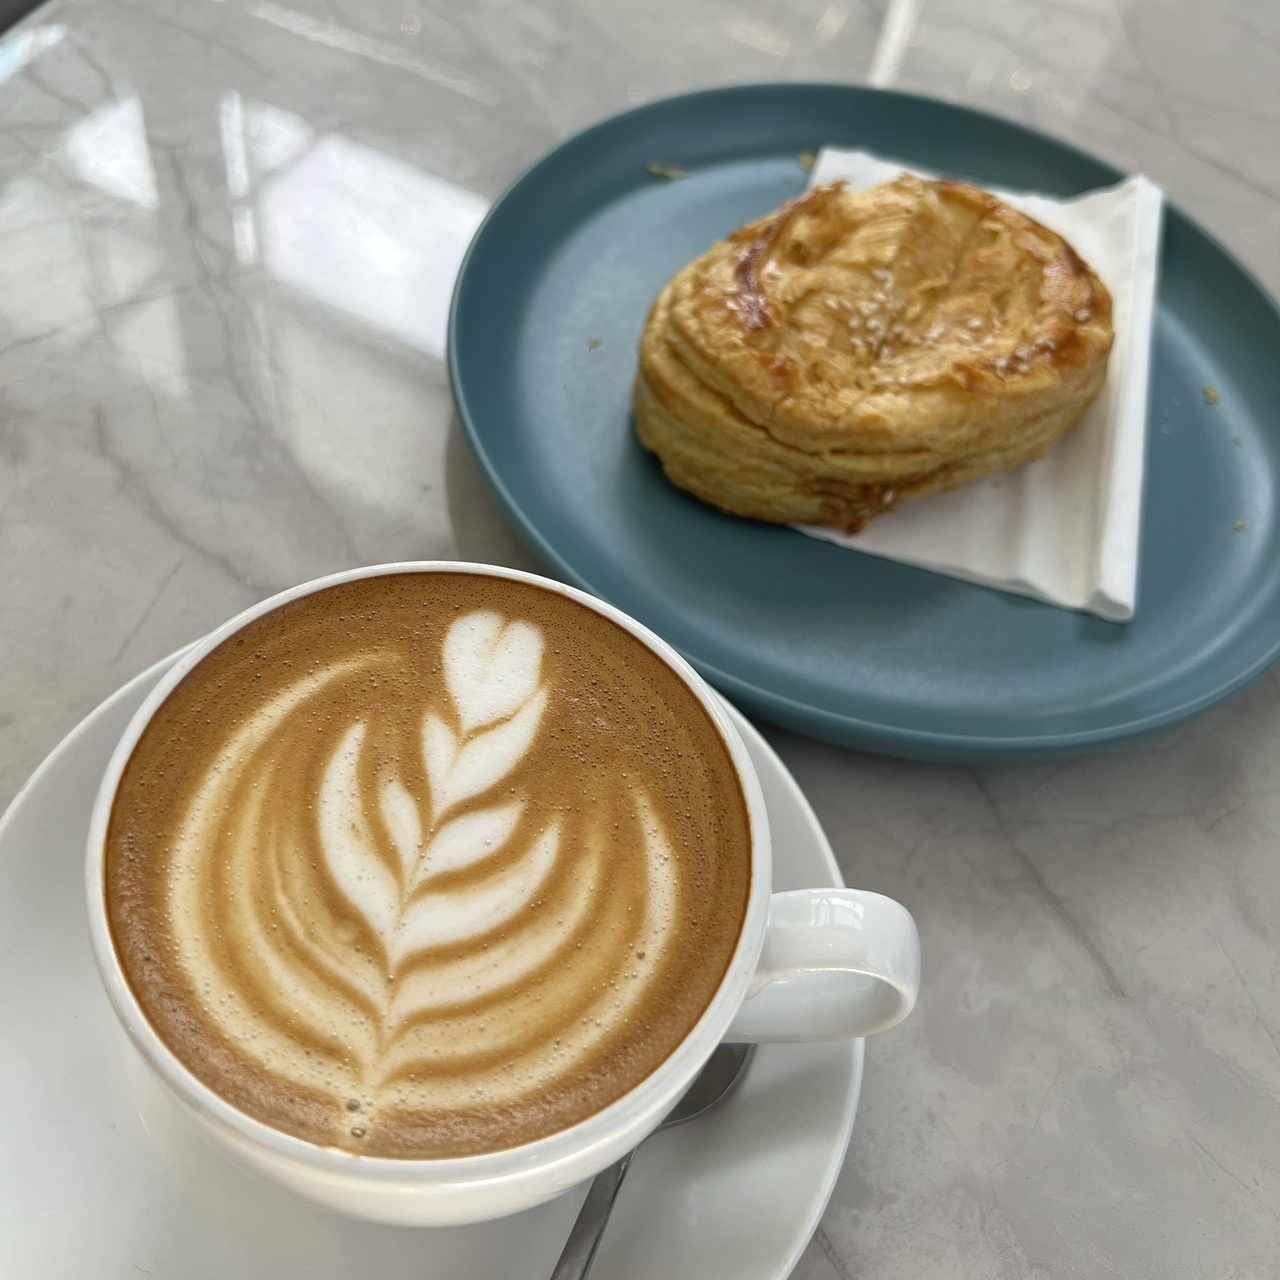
(427, 865)
(462, 875)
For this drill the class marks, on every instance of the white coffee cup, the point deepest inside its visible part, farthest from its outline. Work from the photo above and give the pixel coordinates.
(812, 964)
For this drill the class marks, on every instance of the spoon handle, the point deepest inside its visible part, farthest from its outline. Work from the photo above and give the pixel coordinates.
(580, 1249)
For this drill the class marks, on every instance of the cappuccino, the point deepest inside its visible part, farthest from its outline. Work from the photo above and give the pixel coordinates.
(427, 865)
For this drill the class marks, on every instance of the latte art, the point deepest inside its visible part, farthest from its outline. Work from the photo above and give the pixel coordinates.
(421, 872)
(454, 862)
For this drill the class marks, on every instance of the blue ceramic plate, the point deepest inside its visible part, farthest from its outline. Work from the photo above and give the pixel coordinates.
(546, 316)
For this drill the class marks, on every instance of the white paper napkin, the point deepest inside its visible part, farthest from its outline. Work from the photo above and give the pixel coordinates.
(1063, 529)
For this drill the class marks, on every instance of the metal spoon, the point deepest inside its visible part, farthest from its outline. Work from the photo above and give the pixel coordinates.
(723, 1070)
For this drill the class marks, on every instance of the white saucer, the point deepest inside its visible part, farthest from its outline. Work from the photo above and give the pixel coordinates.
(100, 1175)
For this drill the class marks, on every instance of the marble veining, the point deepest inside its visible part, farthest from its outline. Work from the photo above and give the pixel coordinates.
(228, 232)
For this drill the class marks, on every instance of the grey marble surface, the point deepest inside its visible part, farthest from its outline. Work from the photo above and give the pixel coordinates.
(222, 226)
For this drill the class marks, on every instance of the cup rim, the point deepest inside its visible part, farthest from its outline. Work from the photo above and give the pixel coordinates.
(624, 1116)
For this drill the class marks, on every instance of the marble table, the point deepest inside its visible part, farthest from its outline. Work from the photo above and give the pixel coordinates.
(227, 231)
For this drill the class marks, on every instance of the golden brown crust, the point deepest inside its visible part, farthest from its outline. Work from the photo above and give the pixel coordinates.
(852, 351)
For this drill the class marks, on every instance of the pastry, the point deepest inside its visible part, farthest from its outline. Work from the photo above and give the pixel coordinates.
(857, 350)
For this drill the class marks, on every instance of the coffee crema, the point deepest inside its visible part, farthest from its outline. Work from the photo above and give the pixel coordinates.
(427, 865)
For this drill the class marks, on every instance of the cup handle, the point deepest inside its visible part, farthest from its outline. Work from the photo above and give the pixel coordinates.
(836, 963)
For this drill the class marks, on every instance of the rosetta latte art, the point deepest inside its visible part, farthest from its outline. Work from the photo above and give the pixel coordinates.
(451, 934)
(417, 906)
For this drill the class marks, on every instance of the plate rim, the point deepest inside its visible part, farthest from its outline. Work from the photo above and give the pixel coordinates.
(851, 730)
(756, 743)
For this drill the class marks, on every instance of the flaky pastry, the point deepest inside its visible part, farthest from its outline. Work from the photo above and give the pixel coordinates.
(854, 351)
